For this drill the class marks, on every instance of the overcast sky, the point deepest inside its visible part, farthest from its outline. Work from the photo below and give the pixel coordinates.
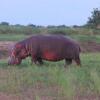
(47, 12)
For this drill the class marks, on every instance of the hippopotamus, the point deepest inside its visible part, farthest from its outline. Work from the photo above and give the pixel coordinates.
(46, 47)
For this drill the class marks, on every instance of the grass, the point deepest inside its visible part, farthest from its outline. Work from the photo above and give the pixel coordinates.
(52, 79)
(77, 37)
(12, 37)
(17, 33)
(86, 38)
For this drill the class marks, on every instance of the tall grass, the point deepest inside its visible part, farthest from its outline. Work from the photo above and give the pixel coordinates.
(78, 37)
(52, 79)
(12, 37)
(18, 29)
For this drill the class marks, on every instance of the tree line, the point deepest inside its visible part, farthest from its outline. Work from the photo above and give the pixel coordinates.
(92, 22)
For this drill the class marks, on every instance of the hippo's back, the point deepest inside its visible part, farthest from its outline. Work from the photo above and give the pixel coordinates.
(53, 47)
(51, 40)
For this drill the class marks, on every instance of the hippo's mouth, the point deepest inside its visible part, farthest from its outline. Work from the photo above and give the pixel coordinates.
(14, 61)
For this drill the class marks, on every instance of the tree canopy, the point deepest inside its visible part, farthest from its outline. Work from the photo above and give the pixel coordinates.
(94, 20)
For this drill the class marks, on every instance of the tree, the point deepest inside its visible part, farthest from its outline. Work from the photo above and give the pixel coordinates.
(5, 23)
(61, 26)
(94, 20)
(31, 25)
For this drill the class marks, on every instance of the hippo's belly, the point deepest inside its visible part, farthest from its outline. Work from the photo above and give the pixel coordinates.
(52, 56)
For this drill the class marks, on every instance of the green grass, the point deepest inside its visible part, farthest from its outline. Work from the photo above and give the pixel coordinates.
(17, 33)
(43, 80)
(51, 80)
(86, 38)
(12, 37)
(78, 37)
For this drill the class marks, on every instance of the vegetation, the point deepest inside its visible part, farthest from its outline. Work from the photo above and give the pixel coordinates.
(94, 20)
(52, 79)
(17, 33)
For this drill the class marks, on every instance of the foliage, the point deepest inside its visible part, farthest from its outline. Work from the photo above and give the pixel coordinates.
(94, 20)
(31, 29)
(4, 23)
(31, 25)
(82, 37)
(18, 29)
(52, 79)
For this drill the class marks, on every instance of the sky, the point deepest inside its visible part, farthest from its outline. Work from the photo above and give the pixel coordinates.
(47, 12)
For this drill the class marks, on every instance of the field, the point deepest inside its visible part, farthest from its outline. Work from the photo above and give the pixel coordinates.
(52, 81)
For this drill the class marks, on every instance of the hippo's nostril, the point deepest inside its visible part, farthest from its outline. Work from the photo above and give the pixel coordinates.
(11, 60)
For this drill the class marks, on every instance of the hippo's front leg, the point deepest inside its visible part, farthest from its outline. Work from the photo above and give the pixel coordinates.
(33, 59)
(36, 60)
(40, 61)
(67, 62)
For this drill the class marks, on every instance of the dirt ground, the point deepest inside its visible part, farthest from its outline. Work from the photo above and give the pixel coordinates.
(90, 46)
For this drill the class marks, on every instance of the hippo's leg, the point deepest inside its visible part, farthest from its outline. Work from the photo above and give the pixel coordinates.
(40, 61)
(37, 60)
(68, 62)
(34, 59)
(77, 60)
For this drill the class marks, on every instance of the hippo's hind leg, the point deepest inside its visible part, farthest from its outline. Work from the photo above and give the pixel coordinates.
(78, 61)
(68, 62)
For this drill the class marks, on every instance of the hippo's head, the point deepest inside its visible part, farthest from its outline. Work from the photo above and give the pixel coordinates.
(17, 53)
